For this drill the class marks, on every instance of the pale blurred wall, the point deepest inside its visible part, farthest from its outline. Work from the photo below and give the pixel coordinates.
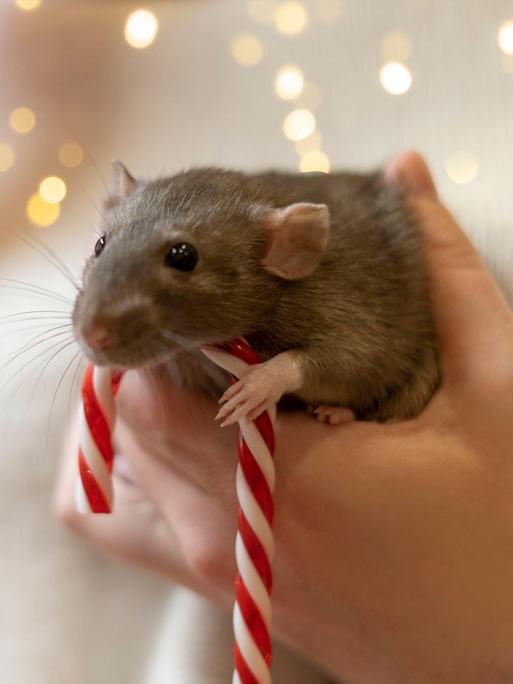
(185, 101)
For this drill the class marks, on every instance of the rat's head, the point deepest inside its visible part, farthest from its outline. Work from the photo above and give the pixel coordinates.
(188, 260)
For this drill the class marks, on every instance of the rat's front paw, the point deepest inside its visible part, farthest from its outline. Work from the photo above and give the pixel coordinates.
(255, 392)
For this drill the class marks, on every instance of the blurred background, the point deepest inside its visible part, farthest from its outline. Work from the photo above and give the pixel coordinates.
(306, 85)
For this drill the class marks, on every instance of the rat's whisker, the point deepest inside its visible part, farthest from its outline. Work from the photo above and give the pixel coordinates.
(44, 365)
(46, 252)
(35, 289)
(18, 314)
(30, 347)
(59, 385)
(93, 204)
(65, 328)
(35, 326)
(79, 366)
(37, 356)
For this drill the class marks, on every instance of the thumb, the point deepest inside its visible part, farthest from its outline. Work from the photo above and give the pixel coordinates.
(473, 321)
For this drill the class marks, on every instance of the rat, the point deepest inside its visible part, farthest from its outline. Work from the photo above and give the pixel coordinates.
(322, 274)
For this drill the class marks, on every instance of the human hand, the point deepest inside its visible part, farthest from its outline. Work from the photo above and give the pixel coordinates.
(394, 542)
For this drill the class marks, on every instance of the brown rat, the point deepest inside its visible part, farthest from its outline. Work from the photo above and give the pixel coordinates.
(322, 274)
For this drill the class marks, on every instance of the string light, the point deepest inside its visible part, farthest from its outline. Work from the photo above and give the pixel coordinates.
(22, 120)
(70, 155)
(41, 213)
(309, 144)
(314, 161)
(328, 11)
(299, 124)
(28, 5)
(461, 167)
(261, 11)
(289, 82)
(505, 37)
(246, 49)
(52, 189)
(290, 17)
(396, 47)
(141, 28)
(395, 78)
(7, 157)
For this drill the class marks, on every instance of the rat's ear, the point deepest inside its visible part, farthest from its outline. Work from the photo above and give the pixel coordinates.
(296, 238)
(124, 183)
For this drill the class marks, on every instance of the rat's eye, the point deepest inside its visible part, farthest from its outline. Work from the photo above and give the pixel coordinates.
(182, 256)
(100, 244)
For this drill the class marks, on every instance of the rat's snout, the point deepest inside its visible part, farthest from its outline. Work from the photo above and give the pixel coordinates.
(114, 330)
(97, 337)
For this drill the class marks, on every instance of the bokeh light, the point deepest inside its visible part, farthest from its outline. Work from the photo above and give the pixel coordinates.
(22, 120)
(52, 189)
(289, 82)
(309, 144)
(461, 167)
(28, 5)
(246, 49)
(7, 157)
(395, 78)
(328, 11)
(141, 28)
(396, 47)
(290, 17)
(41, 213)
(261, 11)
(299, 124)
(314, 161)
(505, 37)
(71, 155)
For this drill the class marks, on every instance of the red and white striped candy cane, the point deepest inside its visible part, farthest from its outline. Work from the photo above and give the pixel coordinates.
(254, 545)
(93, 493)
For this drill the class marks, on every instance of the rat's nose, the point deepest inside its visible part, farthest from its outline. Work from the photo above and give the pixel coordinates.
(97, 338)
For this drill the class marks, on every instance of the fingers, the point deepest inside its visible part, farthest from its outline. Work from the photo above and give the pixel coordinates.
(473, 321)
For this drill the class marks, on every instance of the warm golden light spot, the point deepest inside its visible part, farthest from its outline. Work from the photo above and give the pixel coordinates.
(328, 11)
(290, 17)
(395, 78)
(71, 155)
(309, 144)
(261, 11)
(52, 189)
(396, 47)
(28, 5)
(141, 28)
(314, 161)
(310, 97)
(7, 157)
(299, 124)
(246, 49)
(289, 82)
(461, 167)
(505, 37)
(41, 213)
(22, 120)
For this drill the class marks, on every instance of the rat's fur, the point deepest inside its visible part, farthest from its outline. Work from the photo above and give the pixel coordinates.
(362, 316)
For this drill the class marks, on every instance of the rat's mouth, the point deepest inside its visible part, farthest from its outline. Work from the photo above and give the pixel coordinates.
(138, 355)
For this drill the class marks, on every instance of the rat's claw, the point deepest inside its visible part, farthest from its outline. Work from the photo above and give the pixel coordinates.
(232, 403)
(240, 412)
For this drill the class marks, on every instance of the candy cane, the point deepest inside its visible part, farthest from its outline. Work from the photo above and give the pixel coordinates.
(254, 546)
